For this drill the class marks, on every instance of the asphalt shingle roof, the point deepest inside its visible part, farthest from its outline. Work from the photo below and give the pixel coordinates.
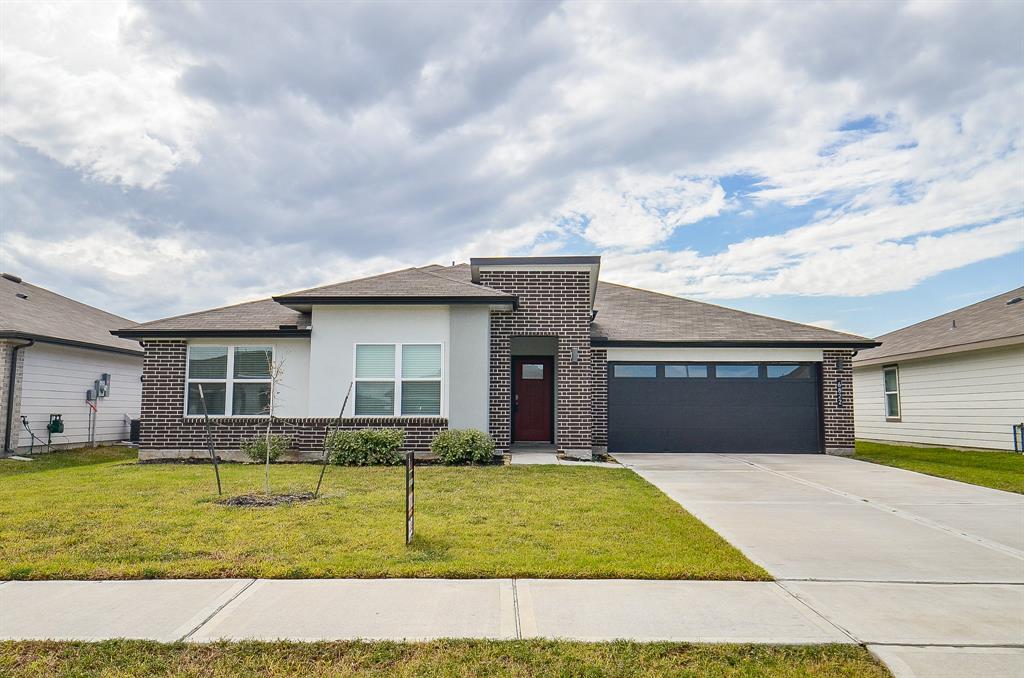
(265, 315)
(409, 283)
(631, 314)
(624, 313)
(46, 315)
(988, 320)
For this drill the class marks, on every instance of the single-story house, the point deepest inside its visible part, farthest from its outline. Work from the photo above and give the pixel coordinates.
(955, 380)
(534, 350)
(64, 380)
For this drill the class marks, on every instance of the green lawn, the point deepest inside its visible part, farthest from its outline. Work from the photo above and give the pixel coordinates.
(440, 658)
(98, 515)
(999, 470)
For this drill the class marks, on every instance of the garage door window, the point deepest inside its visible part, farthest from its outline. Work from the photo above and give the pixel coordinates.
(636, 371)
(736, 371)
(686, 371)
(789, 372)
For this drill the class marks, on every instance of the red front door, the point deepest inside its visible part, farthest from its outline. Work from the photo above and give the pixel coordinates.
(532, 399)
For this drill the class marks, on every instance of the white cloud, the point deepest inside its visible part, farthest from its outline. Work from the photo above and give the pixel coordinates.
(278, 146)
(78, 92)
(636, 212)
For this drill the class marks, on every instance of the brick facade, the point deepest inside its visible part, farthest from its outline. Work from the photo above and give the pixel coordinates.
(551, 304)
(6, 352)
(836, 380)
(599, 356)
(167, 433)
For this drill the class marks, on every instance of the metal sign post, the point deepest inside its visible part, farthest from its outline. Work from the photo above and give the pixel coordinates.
(410, 495)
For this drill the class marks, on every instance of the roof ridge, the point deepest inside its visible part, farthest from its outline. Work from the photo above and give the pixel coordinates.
(205, 310)
(345, 282)
(463, 282)
(950, 312)
(734, 310)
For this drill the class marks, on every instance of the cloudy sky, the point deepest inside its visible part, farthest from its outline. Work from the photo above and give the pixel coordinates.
(857, 166)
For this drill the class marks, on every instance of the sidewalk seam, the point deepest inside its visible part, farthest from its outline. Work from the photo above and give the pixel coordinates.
(213, 614)
(800, 601)
(515, 608)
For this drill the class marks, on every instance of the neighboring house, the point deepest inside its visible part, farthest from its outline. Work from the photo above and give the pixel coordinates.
(533, 350)
(53, 350)
(957, 379)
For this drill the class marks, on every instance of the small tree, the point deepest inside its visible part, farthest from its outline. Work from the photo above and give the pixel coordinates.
(276, 368)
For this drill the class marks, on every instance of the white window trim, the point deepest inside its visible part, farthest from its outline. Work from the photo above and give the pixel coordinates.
(228, 381)
(886, 393)
(396, 412)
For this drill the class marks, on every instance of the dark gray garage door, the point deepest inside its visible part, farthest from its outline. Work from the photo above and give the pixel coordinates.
(714, 407)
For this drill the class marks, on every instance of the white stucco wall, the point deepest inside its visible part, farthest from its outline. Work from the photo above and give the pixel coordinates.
(292, 354)
(469, 366)
(966, 399)
(54, 381)
(336, 331)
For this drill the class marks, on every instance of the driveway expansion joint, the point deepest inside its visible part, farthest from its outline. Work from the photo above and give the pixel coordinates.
(885, 508)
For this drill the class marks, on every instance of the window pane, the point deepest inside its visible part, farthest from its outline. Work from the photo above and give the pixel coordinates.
(892, 405)
(648, 371)
(214, 394)
(375, 398)
(375, 362)
(533, 370)
(421, 397)
(674, 371)
(252, 362)
(890, 380)
(207, 362)
(789, 371)
(421, 361)
(736, 371)
(250, 398)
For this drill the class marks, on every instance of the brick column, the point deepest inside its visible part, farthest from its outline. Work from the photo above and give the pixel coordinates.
(600, 406)
(837, 398)
(551, 304)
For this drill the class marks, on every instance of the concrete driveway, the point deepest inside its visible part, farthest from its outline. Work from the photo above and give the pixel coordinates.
(928, 572)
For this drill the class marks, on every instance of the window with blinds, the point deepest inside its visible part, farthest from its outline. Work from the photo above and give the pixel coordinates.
(398, 379)
(233, 380)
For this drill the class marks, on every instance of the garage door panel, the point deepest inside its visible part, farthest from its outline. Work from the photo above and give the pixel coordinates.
(710, 414)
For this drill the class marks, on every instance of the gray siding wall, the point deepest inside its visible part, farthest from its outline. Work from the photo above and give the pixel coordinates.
(966, 399)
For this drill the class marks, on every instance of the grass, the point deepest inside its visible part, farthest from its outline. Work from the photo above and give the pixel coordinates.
(98, 515)
(440, 658)
(998, 470)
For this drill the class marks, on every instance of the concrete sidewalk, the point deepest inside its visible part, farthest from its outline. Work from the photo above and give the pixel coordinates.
(410, 609)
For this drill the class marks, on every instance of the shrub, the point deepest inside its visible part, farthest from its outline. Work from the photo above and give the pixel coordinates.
(366, 447)
(256, 448)
(463, 446)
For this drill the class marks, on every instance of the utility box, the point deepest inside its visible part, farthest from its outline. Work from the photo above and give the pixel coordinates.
(56, 424)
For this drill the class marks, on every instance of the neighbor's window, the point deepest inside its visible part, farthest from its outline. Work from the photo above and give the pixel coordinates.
(891, 378)
(677, 371)
(789, 371)
(406, 375)
(235, 380)
(734, 371)
(642, 371)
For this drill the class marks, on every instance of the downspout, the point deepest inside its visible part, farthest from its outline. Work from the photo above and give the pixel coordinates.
(12, 376)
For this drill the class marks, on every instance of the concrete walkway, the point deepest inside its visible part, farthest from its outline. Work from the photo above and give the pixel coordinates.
(928, 572)
(410, 609)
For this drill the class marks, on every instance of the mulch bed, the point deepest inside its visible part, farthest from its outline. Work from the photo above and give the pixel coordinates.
(260, 500)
